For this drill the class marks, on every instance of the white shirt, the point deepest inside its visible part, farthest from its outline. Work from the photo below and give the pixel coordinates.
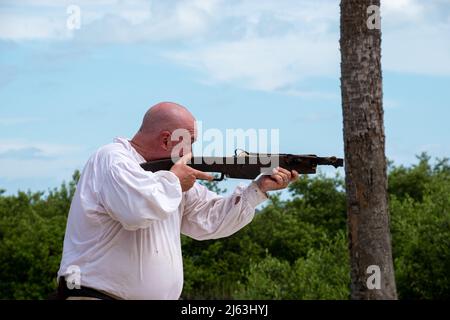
(124, 224)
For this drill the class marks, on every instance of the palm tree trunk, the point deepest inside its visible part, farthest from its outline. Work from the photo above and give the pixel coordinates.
(365, 164)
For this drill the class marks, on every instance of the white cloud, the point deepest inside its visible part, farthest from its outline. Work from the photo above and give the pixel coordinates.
(265, 45)
(48, 149)
(265, 63)
(282, 43)
(403, 9)
(24, 153)
(46, 20)
(169, 21)
(268, 45)
(418, 50)
(414, 35)
(106, 20)
(22, 159)
(30, 27)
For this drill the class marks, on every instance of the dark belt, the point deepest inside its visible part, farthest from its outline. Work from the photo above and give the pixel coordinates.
(64, 292)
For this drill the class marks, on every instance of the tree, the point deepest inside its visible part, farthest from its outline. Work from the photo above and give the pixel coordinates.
(293, 249)
(364, 143)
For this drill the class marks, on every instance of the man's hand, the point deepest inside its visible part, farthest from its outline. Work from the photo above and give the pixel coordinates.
(280, 179)
(186, 174)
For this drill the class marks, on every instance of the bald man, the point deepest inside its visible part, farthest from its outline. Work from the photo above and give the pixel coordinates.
(122, 238)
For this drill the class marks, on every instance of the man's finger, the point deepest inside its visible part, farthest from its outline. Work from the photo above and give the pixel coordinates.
(295, 175)
(185, 159)
(277, 178)
(286, 172)
(202, 175)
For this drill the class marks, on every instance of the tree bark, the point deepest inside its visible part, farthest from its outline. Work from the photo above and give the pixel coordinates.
(365, 160)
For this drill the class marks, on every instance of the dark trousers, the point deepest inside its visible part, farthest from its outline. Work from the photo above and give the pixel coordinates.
(63, 292)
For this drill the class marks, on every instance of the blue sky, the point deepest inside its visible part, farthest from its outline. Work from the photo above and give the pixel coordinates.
(234, 64)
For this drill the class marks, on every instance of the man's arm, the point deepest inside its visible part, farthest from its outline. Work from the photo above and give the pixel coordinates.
(207, 215)
(136, 198)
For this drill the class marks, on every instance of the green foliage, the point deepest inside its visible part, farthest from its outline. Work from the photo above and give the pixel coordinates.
(320, 201)
(414, 181)
(213, 269)
(293, 249)
(31, 238)
(323, 274)
(270, 278)
(299, 260)
(421, 237)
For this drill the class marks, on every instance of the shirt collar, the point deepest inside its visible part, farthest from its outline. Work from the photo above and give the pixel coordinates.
(126, 143)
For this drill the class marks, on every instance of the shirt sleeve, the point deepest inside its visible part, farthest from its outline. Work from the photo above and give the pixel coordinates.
(210, 216)
(135, 197)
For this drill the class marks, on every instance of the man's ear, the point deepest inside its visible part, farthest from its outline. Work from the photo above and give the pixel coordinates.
(165, 140)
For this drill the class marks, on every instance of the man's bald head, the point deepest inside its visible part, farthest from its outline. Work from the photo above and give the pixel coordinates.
(154, 138)
(166, 116)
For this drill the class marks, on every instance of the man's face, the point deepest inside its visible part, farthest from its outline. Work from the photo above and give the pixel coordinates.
(181, 140)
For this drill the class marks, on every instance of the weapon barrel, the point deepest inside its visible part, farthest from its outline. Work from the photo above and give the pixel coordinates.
(249, 165)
